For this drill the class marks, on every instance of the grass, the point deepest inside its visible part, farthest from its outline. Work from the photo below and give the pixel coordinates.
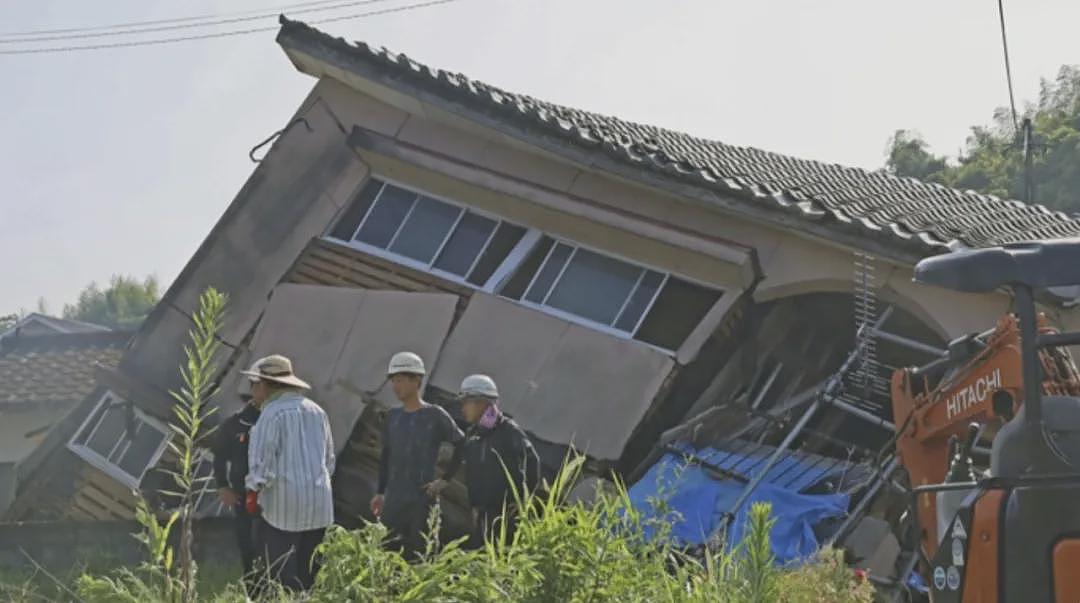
(561, 552)
(24, 585)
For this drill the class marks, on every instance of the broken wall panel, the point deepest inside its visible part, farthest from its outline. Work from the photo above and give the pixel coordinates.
(564, 383)
(341, 339)
(294, 194)
(330, 263)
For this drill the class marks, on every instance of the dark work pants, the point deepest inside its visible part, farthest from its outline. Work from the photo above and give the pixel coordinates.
(407, 524)
(246, 528)
(291, 555)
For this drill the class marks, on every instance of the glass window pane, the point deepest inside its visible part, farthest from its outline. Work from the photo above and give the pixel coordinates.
(677, 311)
(465, 244)
(640, 300)
(109, 431)
(594, 286)
(515, 287)
(425, 229)
(552, 267)
(98, 413)
(208, 504)
(346, 226)
(385, 218)
(506, 237)
(143, 446)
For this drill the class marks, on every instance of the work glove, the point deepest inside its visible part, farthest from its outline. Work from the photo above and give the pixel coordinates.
(251, 503)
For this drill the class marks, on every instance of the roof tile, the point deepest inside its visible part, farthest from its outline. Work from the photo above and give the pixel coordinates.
(874, 201)
(55, 368)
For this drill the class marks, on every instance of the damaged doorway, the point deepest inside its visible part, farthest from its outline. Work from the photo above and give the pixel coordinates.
(755, 379)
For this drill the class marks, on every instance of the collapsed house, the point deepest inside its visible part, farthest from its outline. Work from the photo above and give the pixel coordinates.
(47, 367)
(637, 293)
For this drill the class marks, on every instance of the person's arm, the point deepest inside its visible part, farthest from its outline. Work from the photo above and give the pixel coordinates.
(384, 471)
(384, 459)
(532, 465)
(222, 441)
(526, 461)
(329, 459)
(453, 434)
(448, 431)
(455, 461)
(262, 452)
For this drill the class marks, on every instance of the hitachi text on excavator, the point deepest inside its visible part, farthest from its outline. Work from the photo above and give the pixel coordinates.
(1010, 533)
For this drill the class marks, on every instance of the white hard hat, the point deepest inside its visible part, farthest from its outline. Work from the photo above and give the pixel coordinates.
(479, 386)
(406, 362)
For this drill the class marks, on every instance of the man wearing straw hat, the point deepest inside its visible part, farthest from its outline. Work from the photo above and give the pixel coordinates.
(291, 460)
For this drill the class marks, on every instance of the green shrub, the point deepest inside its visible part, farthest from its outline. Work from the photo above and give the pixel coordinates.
(576, 553)
(579, 554)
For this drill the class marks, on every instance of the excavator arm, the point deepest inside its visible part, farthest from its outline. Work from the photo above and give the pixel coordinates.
(979, 382)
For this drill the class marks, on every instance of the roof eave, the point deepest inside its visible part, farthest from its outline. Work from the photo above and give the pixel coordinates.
(308, 48)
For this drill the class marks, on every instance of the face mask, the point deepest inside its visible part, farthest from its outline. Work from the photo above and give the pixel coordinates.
(490, 416)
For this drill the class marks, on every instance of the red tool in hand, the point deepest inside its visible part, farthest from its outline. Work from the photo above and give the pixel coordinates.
(251, 503)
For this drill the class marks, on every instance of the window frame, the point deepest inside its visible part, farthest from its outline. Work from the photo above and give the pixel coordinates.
(103, 463)
(206, 458)
(581, 320)
(513, 262)
(430, 268)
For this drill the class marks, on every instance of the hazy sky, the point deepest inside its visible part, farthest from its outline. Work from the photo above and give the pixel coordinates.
(120, 161)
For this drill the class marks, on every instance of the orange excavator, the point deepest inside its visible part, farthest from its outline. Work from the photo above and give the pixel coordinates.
(1011, 533)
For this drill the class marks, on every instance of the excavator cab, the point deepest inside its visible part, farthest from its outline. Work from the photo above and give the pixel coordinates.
(1016, 535)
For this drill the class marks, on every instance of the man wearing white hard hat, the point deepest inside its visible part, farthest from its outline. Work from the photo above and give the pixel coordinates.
(291, 461)
(499, 460)
(410, 448)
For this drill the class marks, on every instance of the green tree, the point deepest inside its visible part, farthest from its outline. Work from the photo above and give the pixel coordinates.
(8, 321)
(993, 160)
(124, 304)
(910, 156)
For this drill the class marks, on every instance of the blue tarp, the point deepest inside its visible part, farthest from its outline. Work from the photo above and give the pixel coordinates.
(700, 499)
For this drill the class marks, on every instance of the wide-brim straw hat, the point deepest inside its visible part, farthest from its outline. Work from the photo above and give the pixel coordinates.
(277, 369)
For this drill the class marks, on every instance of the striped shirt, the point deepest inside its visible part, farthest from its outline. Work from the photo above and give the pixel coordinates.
(291, 458)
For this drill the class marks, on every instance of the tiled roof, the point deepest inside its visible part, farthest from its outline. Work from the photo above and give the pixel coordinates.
(55, 369)
(40, 324)
(899, 212)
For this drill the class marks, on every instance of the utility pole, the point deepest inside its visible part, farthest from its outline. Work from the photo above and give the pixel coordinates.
(1029, 151)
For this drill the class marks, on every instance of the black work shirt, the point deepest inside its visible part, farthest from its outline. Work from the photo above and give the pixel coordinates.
(410, 450)
(494, 459)
(230, 448)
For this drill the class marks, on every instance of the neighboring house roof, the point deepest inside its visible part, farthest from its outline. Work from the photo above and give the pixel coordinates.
(54, 369)
(23, 430)
(40, 324)
(896, 212)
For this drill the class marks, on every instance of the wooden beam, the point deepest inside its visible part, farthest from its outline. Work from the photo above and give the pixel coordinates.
(106, 483)
(102, 498)
(709, 324)
(91, 506)
(76, 511)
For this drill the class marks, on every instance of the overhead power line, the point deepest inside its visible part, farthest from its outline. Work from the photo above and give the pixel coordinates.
(176, 26)
(275, 10)
(1008, 68)
(220, 34)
